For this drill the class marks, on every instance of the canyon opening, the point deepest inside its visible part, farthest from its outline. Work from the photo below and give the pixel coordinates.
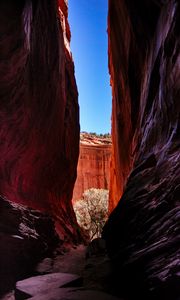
(89, 46)
(44, 253)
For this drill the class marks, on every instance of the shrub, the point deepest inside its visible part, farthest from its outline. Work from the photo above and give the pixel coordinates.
(92, 211)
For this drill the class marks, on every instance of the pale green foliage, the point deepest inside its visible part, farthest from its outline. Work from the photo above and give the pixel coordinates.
(92, 211)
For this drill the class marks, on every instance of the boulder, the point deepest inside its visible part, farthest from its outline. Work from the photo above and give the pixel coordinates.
(26, 237)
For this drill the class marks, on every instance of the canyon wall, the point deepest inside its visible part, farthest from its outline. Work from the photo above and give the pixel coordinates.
(93, 166)
(142, 233)
(39, 113)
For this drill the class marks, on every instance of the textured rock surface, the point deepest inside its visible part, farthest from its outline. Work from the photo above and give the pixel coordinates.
(94, 164)
(143, 232)
(39, 122)
(26, 236)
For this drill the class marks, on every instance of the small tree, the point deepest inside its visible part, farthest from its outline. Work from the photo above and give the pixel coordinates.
(92, 211)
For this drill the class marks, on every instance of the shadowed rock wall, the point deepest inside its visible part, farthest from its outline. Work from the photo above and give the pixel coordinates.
(39, 113)
(143, 232)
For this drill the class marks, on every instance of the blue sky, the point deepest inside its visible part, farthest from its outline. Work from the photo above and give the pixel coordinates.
(88, 22)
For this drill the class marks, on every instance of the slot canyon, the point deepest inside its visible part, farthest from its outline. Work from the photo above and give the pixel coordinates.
(44, 254)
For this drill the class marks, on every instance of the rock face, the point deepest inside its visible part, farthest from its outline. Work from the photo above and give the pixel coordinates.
(143, 232)
(94, 164)
(26, 237)
(39, 113)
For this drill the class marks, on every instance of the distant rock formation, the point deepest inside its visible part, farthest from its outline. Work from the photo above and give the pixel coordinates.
(94, 164)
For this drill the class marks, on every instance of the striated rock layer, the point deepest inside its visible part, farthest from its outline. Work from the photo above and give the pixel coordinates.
(94, 164)
(143, 232)
(39, 113)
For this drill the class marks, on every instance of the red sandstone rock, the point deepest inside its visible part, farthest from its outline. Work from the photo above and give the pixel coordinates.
(39, 113)
(122, 114)
(143, 232)
(94, 164)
